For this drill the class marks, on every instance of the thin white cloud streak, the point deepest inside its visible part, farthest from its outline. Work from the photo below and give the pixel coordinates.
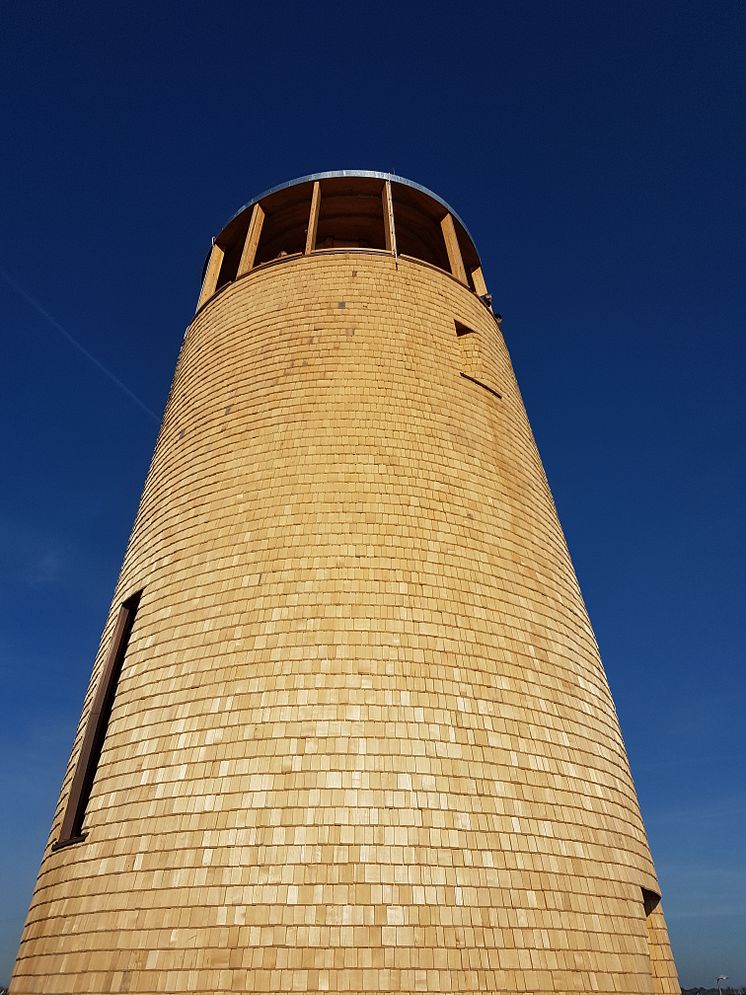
(45, 568)
(40, 309)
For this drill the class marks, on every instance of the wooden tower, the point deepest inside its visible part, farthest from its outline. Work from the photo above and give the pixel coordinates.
(348, 729)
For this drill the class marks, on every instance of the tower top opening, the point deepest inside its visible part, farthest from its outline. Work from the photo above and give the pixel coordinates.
(349, 209)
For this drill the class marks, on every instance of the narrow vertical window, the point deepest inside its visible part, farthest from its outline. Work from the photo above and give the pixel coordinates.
(95, 730)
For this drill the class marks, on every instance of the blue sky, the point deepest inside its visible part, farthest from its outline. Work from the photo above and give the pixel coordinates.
(595, 150)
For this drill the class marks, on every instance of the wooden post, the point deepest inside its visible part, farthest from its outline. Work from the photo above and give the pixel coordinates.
(313, 218)
(480, 287)
(388, 217)
(211, 275)
(251, 243)
(453, 249)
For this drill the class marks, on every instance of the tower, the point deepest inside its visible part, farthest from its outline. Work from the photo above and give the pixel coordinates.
(348, 729)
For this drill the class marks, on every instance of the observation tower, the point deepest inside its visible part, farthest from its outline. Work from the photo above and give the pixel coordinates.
(348, 729)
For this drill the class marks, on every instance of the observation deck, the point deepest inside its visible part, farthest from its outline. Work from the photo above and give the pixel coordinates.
(344, 210)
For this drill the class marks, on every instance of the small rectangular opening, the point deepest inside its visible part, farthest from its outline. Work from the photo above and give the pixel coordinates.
(649, 901)
(462, 329)
(95, 731)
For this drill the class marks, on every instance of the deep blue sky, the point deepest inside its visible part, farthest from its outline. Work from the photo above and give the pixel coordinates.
(596, 152)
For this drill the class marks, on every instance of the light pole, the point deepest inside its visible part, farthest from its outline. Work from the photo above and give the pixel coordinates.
(720, 977)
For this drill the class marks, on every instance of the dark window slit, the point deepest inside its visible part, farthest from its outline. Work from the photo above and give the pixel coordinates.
(484, 386)
(95, 732)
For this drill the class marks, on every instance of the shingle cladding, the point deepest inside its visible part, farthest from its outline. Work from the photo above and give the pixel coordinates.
(362, 740)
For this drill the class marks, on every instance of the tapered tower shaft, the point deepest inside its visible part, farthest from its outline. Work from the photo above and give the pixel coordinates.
(352, 733)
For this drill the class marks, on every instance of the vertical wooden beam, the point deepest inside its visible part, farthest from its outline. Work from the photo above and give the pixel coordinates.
(251, 243)
(452, 248)
(480, 287)
(313, 218)
(388, 217)
(211, 274)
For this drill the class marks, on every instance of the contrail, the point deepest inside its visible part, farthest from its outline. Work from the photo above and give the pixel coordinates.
(40, 309)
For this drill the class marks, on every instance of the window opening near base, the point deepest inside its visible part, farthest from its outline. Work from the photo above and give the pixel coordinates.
(96, 726)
